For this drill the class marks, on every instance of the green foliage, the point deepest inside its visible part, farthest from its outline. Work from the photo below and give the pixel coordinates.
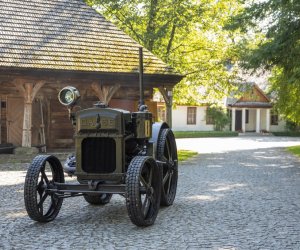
(288, 133)
(292, 126)
(219, 116)
(277, 24)
(185, 154)
(200, 134)
(187, 34)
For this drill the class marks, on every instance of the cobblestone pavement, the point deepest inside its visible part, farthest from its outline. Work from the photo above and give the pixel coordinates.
(239, 199)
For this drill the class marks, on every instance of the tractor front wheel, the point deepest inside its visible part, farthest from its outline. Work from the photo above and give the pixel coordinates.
(41, 204)
(143, 187)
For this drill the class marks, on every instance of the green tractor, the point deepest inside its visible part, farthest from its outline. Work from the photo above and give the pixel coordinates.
(116, 152)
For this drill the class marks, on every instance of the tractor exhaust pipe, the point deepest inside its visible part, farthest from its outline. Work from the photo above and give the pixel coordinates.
(142, 106)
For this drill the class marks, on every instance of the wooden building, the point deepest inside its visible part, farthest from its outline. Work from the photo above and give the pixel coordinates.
(46, 45)
(252, 111)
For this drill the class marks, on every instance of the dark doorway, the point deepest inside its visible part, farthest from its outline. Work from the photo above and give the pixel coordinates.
(238, 120)
(3, 127)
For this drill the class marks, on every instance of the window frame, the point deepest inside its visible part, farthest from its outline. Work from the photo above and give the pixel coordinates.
(191, 120)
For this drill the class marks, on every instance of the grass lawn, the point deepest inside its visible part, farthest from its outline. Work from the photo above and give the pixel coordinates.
(199, 134)
(185, 154)
(294, 150)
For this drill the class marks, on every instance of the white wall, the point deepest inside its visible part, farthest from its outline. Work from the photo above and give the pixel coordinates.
(280, 127)
(179, 120)
(263, 126)
(250, 126)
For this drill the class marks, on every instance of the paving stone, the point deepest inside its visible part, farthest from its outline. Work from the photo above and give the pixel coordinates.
(246, 199)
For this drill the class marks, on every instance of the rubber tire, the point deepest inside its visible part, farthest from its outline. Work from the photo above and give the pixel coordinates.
(133, 195)
(97, 199)
(167, 198)
(31, 188)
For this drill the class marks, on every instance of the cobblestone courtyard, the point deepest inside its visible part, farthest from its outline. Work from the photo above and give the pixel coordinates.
(237, 197)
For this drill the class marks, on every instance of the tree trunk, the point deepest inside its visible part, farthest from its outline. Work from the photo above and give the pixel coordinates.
(171, 40)
(150, 31)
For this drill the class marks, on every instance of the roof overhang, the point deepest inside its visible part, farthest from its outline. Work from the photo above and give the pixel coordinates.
(251, 105)
(108, 78)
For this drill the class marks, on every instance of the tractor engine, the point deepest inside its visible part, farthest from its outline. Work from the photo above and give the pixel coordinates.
(106, 139)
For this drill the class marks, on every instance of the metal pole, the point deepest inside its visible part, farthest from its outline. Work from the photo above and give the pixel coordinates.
(141, 77)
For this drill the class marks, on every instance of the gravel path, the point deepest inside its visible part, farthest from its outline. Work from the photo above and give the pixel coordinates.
(246, 198)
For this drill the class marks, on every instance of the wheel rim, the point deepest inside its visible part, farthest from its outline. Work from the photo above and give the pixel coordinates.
(147, 193)
(46, 201)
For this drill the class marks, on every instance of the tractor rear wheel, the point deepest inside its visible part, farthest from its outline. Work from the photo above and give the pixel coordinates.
(143, 187)
(167, 153)
(44, 171)
(99, 199)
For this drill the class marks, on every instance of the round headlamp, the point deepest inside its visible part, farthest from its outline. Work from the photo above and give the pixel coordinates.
(68, 96)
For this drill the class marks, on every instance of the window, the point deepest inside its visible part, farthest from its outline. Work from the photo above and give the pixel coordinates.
(209, 117)
(161, 113)
(191, 115)
(274, 118)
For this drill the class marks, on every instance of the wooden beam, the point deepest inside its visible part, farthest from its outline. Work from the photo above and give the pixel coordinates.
(104, 92)
(29, 91)
(167, 95)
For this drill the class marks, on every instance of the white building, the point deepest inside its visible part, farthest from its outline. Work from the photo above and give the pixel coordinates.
(252, 112)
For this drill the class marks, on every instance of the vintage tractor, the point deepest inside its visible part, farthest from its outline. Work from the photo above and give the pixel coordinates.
(116, 152)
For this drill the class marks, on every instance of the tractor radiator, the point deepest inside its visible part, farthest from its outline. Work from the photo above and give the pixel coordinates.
(98, 155)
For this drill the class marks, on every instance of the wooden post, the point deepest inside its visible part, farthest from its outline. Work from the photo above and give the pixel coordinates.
(0, 120)
(233, 115)
(29, 91)
(168, 97)
(104, 92)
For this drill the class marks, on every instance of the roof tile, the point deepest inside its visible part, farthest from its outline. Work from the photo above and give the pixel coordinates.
(67, 35)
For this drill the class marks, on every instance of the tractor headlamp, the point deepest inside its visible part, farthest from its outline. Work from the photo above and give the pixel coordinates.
(68, 96)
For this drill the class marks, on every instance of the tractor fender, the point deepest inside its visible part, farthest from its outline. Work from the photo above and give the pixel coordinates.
(156, 129)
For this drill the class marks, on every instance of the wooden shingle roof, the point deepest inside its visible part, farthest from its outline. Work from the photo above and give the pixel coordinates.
(67, 35)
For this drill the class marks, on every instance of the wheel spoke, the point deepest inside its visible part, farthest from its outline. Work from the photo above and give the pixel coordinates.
(143, 181)
(54, 199)
(44, 176)
(169, 183)
(150, 177)
(40, 204)
(166, 177)
(146, 205)
(164, 160)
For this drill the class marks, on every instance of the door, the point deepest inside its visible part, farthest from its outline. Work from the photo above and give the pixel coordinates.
(15, 113)
(3, 121)
(238, 120)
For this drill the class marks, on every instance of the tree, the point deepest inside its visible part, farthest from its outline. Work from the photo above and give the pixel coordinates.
(219, 116)
(278, 50)
(187, 34)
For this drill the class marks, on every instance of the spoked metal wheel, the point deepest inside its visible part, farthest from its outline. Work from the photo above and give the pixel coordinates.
(143, 187)
(167, 153)
(41, 205)
(100, 199)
